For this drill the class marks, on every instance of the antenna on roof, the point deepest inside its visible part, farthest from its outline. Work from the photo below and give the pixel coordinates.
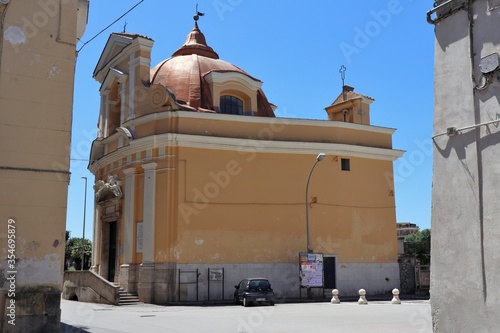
(125, 26)
(196, 17)
(342, 76)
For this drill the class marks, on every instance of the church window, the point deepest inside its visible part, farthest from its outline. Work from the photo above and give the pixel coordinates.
(230, 105)
(345, 164)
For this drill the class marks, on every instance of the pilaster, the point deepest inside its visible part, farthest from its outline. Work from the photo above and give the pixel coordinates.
(129, 193)
(149, 212)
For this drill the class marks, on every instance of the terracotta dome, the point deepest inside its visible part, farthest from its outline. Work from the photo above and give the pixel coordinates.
(184, 74)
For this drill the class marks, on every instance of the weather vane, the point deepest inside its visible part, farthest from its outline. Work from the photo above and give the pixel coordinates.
(342, 76)
(198, 14)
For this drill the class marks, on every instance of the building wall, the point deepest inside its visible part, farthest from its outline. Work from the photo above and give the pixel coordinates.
(464, 278)
(37, 61)
(260, 205)
(204, 190)
(242, 209)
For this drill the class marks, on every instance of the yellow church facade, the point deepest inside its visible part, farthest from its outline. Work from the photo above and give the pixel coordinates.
(199, 185)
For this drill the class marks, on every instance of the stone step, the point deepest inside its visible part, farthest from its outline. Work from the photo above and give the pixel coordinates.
(126, 298)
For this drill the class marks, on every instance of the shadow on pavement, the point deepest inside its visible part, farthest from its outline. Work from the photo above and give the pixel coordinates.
(65, 328)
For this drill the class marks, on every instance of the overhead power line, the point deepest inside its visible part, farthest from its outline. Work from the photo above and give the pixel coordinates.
(118, 19)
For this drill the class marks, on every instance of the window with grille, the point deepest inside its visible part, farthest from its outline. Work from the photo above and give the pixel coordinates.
(230, 105)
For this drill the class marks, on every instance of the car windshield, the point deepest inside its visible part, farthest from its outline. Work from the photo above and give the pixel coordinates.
(259, 284)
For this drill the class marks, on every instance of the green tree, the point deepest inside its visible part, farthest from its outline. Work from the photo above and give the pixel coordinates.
(73, 252)
(419, 245)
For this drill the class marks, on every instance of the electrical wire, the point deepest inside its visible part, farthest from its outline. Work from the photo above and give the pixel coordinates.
(118, 19)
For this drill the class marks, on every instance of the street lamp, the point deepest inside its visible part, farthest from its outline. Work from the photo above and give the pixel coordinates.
(320, 157)
(83, 235)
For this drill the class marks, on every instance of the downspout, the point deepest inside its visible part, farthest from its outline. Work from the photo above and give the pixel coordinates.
(479, 157)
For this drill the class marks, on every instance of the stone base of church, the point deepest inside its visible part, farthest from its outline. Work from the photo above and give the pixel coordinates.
(162, 283)
(129, 274)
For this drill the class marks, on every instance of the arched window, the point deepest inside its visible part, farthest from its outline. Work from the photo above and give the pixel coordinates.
(230, 105)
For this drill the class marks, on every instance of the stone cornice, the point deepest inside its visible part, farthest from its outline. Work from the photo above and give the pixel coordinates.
(245, 146)
(265, 121)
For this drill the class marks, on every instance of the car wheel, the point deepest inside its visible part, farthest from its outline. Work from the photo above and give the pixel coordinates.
(245, 302)
(271, 303)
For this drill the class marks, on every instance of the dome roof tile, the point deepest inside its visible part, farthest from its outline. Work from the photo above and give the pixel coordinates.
(184, 73)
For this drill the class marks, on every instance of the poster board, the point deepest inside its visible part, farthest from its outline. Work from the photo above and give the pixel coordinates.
(311, 270)
(216, 274)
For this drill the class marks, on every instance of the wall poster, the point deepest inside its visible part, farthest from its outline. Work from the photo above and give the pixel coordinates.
(311, 270)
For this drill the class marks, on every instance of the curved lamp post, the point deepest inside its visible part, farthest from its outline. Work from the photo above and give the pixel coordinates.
(320, 157)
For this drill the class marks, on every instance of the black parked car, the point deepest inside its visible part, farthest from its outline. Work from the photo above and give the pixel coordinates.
(254, 290)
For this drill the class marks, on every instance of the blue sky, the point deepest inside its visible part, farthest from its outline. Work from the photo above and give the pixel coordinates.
(296, 48)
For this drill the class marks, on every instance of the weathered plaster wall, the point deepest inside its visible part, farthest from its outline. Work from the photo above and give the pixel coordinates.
(259, 210)
(465, 289)
(37, 62)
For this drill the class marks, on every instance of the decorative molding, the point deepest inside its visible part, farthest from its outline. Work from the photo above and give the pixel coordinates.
(140, 61)
(247, 146)
(126, 45)
(265, 121)
(107, 190)
(224, 78)
(129, 171)
(113, 75)
(149, 166)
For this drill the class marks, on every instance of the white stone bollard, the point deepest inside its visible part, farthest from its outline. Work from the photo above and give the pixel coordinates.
(362, 297)
(395, 296)
(335, 297)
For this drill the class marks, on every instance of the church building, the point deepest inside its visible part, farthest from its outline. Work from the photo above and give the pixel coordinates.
(199, 184)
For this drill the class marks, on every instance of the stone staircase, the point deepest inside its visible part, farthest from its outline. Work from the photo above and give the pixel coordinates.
(127, 298)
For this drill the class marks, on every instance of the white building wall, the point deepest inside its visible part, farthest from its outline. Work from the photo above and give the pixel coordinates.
(375, 278)
(465, 262)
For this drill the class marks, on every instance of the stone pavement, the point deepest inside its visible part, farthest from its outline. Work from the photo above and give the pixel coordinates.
(376, 317)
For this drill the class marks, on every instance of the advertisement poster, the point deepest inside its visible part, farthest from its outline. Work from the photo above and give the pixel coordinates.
(215, 274)
(311, 270)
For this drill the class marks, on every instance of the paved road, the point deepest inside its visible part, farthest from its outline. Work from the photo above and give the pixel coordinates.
(376, 317)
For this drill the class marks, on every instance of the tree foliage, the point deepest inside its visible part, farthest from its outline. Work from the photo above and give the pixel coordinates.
(419, 245)
(73, 252)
